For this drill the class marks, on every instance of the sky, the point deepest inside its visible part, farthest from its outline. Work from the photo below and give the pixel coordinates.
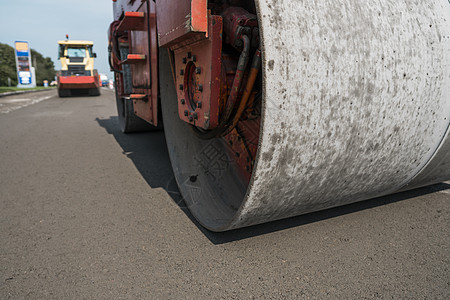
(43, 22)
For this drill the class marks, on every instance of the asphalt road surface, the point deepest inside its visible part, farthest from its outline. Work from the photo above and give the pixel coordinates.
(89, 213)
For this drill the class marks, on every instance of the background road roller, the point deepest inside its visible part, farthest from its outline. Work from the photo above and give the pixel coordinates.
(273, 109)
(77, 75)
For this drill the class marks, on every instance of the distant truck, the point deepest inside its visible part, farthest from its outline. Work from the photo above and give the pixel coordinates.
(77, 75)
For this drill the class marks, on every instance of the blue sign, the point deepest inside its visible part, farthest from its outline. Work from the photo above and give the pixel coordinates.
(23, 63)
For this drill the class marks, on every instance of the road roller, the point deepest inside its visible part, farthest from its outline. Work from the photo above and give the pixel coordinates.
(77, 75)
(273, 109)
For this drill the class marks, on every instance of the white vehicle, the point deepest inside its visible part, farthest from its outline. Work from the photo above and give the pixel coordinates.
(104, 79)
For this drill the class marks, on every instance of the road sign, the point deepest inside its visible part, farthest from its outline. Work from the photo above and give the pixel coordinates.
(23, 63)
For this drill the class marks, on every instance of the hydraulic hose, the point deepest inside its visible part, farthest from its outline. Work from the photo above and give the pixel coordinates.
(109, 61)
(256, 64)
(232, 98)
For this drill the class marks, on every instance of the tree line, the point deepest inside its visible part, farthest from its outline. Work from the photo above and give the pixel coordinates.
(44, 66)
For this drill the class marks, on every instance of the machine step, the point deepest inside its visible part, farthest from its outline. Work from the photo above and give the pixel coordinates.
(138, 96)
(134, 59)
(131, 21)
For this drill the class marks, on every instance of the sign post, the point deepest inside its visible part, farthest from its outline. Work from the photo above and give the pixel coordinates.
(25, 71)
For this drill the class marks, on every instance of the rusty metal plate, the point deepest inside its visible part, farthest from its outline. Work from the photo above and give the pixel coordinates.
(198, 76)
(139, 45)
(145, 75)
(180, 20)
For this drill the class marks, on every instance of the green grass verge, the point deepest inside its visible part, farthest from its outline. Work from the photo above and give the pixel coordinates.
(4, 89)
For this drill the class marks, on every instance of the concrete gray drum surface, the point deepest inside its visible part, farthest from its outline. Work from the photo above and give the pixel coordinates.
(88, 212)
(356, 104)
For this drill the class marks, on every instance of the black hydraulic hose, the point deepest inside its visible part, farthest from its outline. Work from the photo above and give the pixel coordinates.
(109, 61)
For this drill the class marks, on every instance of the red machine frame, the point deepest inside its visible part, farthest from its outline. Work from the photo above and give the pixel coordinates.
(205, 77)
(137, 27)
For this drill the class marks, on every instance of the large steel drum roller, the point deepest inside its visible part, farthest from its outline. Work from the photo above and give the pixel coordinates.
(355, 105)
